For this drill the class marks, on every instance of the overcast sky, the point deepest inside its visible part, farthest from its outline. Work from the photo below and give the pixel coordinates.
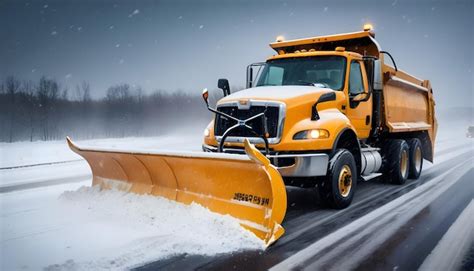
(188, 45)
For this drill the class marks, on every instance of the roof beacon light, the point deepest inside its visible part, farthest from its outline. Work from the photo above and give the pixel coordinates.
(368, 27)
(280, 38)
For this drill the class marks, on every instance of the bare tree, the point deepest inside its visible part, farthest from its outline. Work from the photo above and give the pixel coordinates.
(86, 91)
(11, 85)
(45, 110)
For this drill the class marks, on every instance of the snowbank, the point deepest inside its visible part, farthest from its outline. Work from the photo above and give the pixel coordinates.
(89, 229)
(28, 153)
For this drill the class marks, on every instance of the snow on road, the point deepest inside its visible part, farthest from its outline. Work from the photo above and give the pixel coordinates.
(30, 153)
(88, 229)
(33, 153)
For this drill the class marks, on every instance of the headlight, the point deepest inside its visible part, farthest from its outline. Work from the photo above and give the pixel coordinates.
(207, 132)
(311, 134)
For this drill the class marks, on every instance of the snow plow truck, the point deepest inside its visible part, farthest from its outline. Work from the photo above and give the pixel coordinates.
(323, 112)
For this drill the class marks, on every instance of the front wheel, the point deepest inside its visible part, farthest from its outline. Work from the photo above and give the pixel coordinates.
(337, 188)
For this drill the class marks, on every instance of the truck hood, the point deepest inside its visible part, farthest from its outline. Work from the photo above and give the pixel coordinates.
(277, 93)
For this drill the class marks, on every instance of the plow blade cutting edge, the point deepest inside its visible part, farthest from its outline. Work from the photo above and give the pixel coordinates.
(247, 187)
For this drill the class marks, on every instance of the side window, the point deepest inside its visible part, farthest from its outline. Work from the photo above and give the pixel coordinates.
(274, 76)
(356, 84)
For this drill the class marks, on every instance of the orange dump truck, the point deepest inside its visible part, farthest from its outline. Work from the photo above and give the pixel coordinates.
(323, 111)
(334, 113)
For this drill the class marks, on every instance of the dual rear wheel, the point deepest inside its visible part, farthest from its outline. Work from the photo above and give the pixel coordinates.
(403, 159)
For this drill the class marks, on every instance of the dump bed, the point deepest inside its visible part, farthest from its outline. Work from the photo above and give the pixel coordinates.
(408, 104)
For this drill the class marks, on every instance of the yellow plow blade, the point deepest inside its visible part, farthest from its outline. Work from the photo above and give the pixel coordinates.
(246, 187)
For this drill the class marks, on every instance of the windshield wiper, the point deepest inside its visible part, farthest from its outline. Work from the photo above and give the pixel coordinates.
(306, 83)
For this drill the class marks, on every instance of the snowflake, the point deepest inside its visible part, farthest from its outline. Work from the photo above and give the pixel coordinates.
(135, 12)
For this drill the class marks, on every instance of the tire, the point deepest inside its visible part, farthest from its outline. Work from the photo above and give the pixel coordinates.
(396, 164)
(337, 188)
(416, 158)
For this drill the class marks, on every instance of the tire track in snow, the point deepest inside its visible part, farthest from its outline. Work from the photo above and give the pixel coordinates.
(453, 246)
(364, 235)
(42, 164)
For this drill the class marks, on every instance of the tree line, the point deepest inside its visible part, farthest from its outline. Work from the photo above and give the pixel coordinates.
(44, 110)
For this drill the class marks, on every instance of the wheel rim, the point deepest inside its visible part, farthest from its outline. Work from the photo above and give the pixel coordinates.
(345, 181)
(404, 164)
(418, 159)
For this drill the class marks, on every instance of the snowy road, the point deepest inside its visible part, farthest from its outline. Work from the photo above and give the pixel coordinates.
(386, 227)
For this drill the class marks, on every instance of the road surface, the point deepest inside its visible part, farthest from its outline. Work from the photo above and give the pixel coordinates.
(369, 235)
(387, 227)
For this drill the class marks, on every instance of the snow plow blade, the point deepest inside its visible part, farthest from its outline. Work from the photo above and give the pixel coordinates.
(246, 187)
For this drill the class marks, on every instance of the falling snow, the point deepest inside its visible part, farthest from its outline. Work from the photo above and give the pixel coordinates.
(135, 12)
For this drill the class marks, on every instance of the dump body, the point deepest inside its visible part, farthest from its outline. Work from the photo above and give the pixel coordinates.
(408, 105)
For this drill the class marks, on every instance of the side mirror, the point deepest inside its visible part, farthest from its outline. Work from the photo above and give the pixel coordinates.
(326, 97)
(378, 78)
(360, 97)
(205, 96)
(224, 85)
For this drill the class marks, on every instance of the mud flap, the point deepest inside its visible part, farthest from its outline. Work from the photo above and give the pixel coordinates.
(246, 187)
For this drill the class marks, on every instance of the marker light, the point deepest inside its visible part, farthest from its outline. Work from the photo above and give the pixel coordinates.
(207, 132)
(280, 39)
(368, 27)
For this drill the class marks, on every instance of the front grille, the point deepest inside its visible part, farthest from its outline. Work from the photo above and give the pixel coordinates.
(271, 113)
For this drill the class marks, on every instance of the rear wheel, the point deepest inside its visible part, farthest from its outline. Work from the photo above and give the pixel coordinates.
(416, 158)
(396, 167)
(337, 188)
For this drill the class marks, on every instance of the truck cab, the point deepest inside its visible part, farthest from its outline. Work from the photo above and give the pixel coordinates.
(327, 111)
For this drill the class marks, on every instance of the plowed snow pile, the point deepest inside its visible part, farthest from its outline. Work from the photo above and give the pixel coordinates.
(161, 227)
(114, 230)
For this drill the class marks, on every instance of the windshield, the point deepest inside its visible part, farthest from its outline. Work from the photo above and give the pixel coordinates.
(323, 71)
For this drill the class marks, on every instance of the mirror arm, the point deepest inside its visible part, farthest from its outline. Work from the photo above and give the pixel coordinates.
(314, 112)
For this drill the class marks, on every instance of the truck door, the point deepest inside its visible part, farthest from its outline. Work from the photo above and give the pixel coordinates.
(360, 113)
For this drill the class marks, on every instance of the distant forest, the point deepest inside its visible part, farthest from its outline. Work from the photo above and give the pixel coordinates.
(44, 110)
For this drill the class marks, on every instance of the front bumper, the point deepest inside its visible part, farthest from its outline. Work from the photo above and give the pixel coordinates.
(304, 165)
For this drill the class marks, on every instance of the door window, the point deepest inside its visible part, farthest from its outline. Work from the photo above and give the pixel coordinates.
(356, 84)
